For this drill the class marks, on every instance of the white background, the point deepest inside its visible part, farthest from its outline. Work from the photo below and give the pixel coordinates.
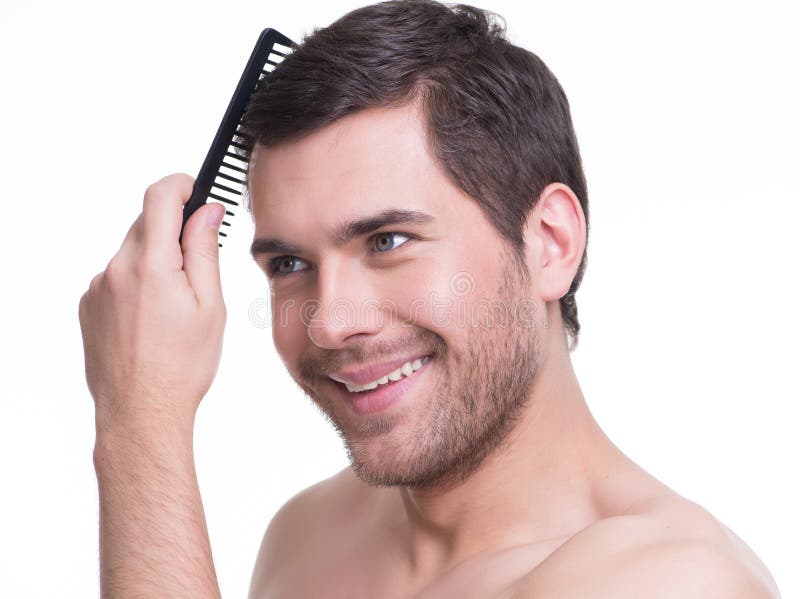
(686, 114)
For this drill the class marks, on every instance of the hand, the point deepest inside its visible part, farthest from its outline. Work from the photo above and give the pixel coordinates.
(153, 321)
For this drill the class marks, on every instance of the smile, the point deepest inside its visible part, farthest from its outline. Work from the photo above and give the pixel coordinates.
(380, 396)
(406, 370)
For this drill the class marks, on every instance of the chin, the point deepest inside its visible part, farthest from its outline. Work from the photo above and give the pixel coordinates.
(398, 457)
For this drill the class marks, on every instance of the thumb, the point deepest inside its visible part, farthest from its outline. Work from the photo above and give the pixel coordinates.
(200, 246)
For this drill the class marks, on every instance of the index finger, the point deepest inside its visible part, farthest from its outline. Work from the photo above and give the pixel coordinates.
(163, 213)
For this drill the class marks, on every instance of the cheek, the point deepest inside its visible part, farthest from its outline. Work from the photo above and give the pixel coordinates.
(451, 295)
(288, 332)
(412, 291)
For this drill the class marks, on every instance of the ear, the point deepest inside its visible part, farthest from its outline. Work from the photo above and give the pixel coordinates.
(555, 237)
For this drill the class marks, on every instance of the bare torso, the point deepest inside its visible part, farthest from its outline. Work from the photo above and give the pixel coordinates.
(338, 539)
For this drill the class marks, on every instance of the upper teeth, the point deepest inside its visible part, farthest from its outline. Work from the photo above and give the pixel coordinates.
(406, 369)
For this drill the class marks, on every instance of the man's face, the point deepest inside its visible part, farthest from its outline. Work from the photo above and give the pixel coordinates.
(445, 286)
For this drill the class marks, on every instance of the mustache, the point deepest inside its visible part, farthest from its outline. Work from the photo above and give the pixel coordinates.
(318, 362)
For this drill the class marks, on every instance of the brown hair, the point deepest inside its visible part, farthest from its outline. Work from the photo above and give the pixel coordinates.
(497, 120)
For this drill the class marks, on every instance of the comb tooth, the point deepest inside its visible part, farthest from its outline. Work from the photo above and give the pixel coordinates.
(234, 165)
(238, 145)
(223, 234)
(222, 183)
(235, 168)
(229, 178)
(235, 185)
(219, 244)
(221, 199)
(232, 158)
(226, 192)
(226, 188)
(229, 213)
(240, 177)
(226, 223)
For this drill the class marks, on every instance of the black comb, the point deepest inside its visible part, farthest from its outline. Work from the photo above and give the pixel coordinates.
(224, 172)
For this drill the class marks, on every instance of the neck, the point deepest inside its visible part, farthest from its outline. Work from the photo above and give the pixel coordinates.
(540, 486)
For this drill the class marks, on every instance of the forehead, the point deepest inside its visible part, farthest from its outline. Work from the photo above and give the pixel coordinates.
(373, 158)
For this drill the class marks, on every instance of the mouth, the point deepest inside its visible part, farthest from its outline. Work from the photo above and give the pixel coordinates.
(381, 394)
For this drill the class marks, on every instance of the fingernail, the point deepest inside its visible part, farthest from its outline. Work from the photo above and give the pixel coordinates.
(215, 217)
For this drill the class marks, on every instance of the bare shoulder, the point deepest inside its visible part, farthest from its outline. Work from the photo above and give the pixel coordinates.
(304, 529)
(673, 548)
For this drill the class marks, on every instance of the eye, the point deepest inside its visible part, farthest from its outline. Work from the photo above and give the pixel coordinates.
(283, 265)
(384, 242)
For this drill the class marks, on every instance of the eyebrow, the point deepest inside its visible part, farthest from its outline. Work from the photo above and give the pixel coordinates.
(346, 231)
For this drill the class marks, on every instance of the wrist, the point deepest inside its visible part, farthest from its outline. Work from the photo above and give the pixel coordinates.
(142, 418)
(122, 443)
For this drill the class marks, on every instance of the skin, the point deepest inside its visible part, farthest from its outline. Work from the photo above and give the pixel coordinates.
(152, 325)
(547, 505)
(485, 480)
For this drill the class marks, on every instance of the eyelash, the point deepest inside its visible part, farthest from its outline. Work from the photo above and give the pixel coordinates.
(272, 265)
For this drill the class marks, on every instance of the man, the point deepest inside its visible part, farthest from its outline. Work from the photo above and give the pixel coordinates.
(421, 216)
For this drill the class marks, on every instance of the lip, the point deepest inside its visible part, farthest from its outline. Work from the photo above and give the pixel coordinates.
(366, 374)
(384, 396)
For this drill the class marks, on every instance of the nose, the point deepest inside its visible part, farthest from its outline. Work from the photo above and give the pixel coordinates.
(346, 306)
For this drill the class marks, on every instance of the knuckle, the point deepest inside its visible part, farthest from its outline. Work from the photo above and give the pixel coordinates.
(135, 231)
(142, 269)
(94, 284)
(183, 179)
(116, 275)
(82, 307)
(153, 193)
(149, 265)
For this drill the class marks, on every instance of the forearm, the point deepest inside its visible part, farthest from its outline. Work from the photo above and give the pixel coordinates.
(153, 535)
